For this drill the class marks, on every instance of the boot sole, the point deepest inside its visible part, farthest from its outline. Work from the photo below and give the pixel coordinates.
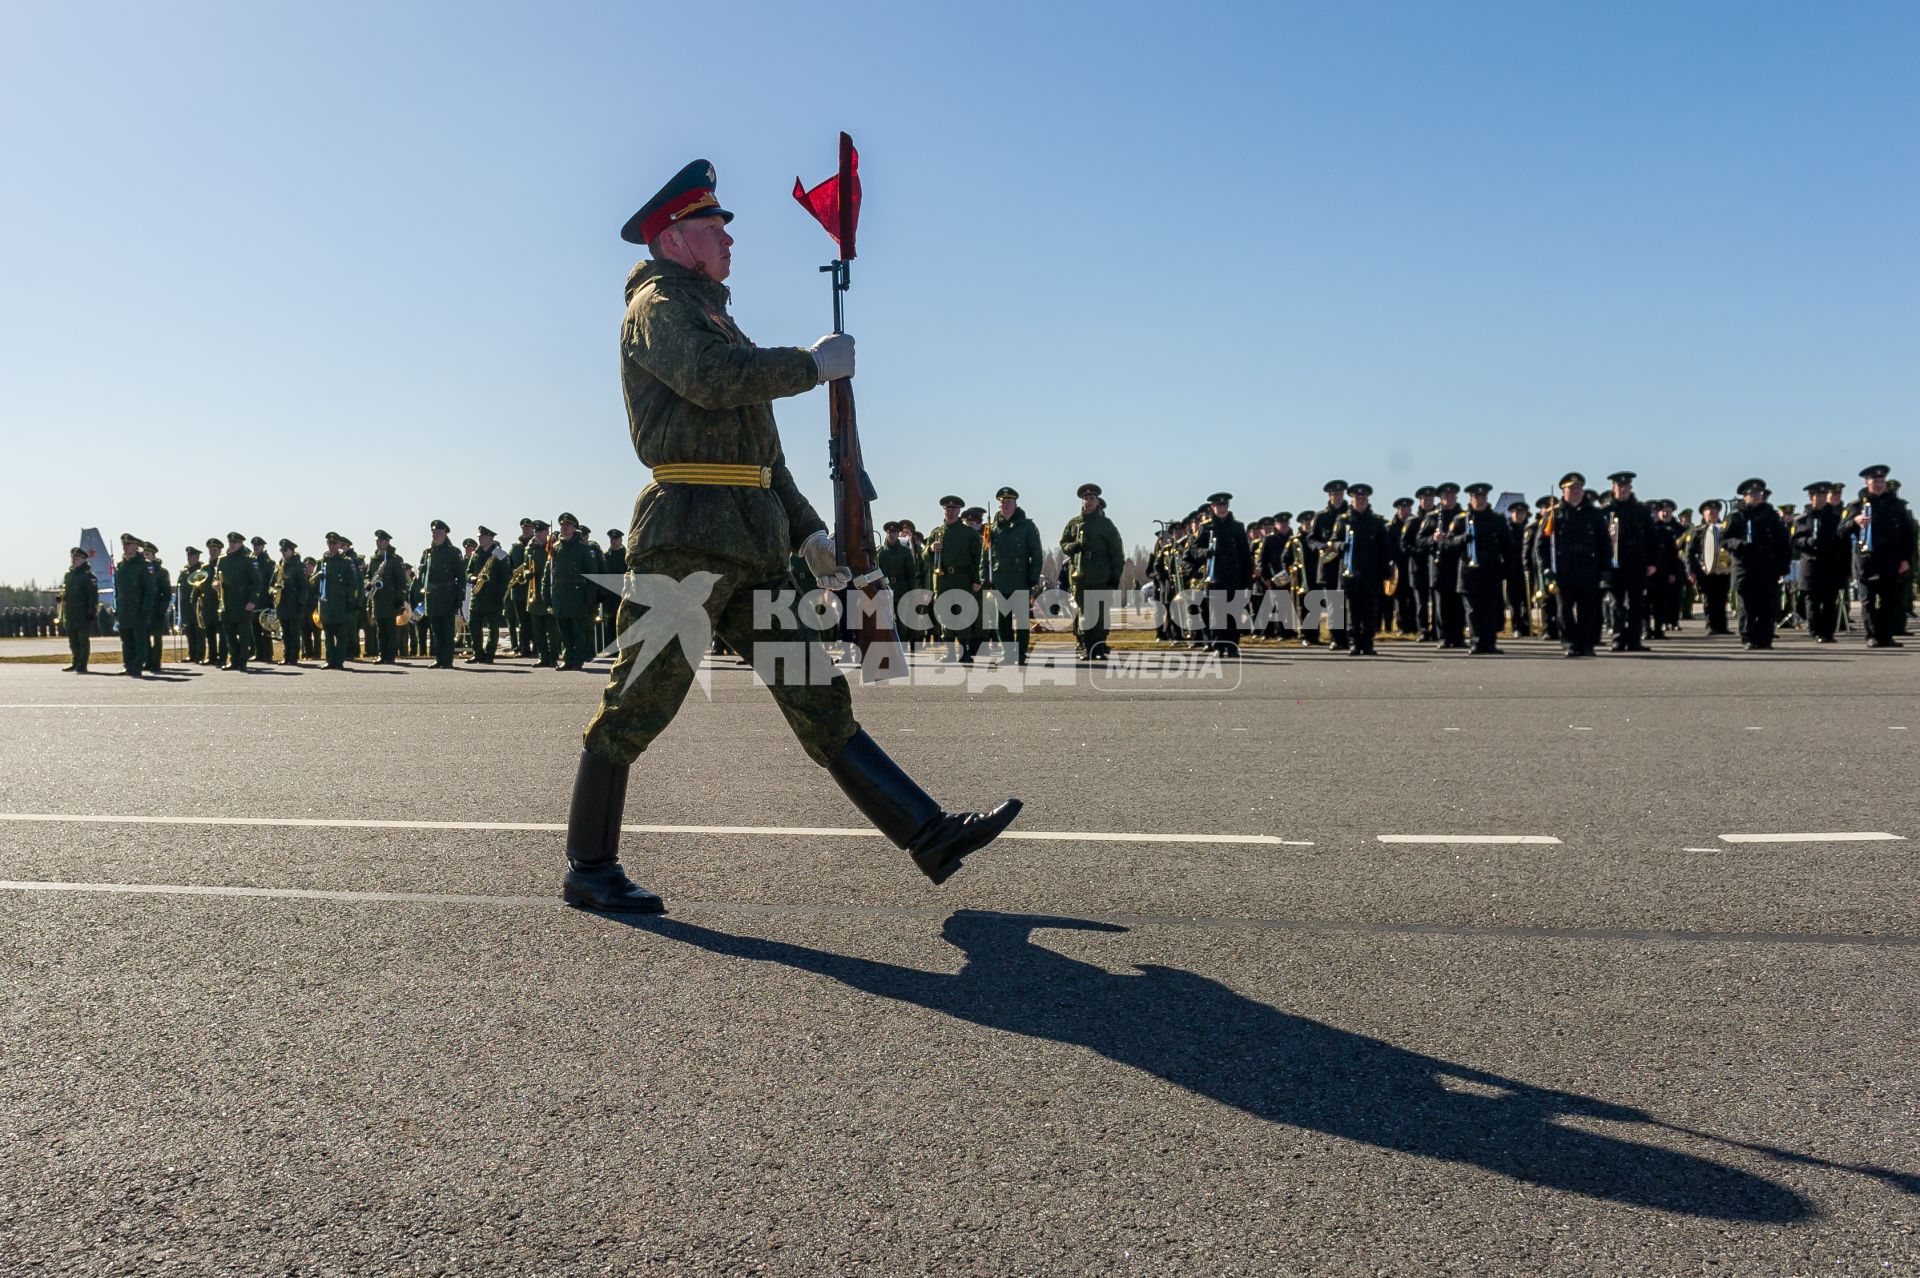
(945, 870)
(583, 901)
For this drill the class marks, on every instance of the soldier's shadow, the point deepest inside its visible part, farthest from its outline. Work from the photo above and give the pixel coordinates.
(1200, 1035)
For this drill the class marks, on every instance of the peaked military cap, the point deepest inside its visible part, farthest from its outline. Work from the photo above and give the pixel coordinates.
(345, 540)
(615, 532)
(1220, 499)
(974, 512)
(1573, 477)
(1282, 516)
(439, 525)
(213, 543)
(1005, 492)
(468, 541)
(1876, 472)
(287, 543)
(485, 531)
(1087, 490)
(1818, 486)
(150, 548)
(1401, 503)
(892, 525)
(193, 550)
(1621, 477)
(526, 522)
(566, 517)
(126, 537)
(1515, 505)
(951, 502)
(1711, 503)
(1360, 490)
(1543, 502)
(77, 551)
(1479, 488)
(259, 540)
(1751, 486)
(688, 193)
(1448, 487)
(582, 529)
(540, 525)
(234, 536)
(1334, 486)
(1424, 490)
(908, 525)
(381, 534)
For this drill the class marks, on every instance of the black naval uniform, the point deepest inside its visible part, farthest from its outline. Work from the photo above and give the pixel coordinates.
(1572, 547)
(1413, 541)
(1517, 610)
(1450, 606)
(1823, 552)
(1663, 587)
(1877, 560)
(1229, 568)
(1629, 531)
(1406, 602)
(1714, 584)
(1367, 549)
(1324, 565)
(1757, 540)
(1478, 539)
(1536, 585)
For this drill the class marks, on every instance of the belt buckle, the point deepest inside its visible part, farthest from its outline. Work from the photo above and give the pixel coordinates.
(766, 476)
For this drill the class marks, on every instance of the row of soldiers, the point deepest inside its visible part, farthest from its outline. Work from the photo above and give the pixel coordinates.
(1457, 574)
(234, 607)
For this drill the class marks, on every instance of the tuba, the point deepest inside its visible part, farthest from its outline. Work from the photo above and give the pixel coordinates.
(270, 622)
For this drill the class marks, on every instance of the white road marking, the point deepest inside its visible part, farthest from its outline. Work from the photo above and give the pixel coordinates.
(1699, 849)
(1577, 728)
(310, 894)
(1857, 836)
(1467, 838)
(805, 831)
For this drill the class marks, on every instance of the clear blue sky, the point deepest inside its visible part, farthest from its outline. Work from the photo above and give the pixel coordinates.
(284, 268)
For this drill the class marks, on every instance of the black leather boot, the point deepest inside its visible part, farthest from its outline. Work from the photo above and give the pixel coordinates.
(594, 879)
(905, 813)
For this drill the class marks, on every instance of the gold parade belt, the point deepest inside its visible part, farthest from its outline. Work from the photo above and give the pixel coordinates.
(717, 474)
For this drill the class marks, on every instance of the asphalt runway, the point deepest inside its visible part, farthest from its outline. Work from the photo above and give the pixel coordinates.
(1428, 964)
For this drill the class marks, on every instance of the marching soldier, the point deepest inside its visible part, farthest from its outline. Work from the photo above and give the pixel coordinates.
(569, 561)
(1822, 548)
(79, 608)
(1477, 541)
(1365, 547)
(1017, 561)
(1227, 554)
(1881, 529)
(132, 601)
(1095, 558)
(1572, 549)
(1324, 573)
(239, 589)
(1628, 567)
(1711, 567)
(1517, 608)
(1450, 606)
(443, 587)
(722, 501)
(336, 586)
(290, 600)
(1757, 541)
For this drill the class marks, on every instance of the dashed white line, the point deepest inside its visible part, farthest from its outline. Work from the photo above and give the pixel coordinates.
(1467, 838)
(1853, 836)
(799, 831)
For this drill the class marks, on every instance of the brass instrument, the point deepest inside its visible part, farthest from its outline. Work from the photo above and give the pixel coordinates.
(198, 579)
(270, 622)
(1473, 542)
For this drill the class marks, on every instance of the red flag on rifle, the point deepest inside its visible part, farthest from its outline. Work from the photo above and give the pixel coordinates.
(825, 201)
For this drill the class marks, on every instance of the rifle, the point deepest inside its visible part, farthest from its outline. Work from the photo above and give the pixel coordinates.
(881, 656)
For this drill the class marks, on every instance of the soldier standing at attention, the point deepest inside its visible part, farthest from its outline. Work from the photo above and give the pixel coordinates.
(722, 502)
(1517, 609)
(1628, 566)
(1881, 529)
(190, 607)
(1479, 541)
(545, 640)
(156, 611)
(896, 561)
(1414, 534)
(131, 604)
(444, 587)
(1536, 583)
(386, 593)
(1663, 585)
(1711, 566)
(206, 604)
(1571, 550)
(1095, 558)
(568, 563)
(79, 607)
(1226, 553)
(1449, 605)
(1757, 540)
(957, 558)
(1821, 544)
(239, 590)
(517, 590)
(337, 587)
(290, 600)
(1323, 566)
(614, 564)
(489, 585)
(1405, 611)
(1366, 545)
(263, 574)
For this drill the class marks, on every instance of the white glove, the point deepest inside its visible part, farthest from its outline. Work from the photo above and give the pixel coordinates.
(833, 356)
(823, 561)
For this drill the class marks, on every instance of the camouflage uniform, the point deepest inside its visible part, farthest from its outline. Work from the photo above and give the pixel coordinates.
(698, 391)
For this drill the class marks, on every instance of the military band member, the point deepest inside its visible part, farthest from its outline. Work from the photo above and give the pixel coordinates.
(1627, 563)
(443, 588)
(1537, 591)
(1364, 546)
(206, 603)
(545, 637)
(569, 561)
(613, 564)
(1017, 562)
(336, 590)
(1477, 540)
(131, 603)
(1324, 565)
(386, 591)
(290, 602)
(1757, 541)
(263, 579)
(187, 592)
(958, 565)
(1711, 566)
(1403, 609)
(162, 584)
(1669, 571)
(79, 609)
(1094, 565)
(239, 589)
(1226, 554)
(1881, 529)
(1450, 606)
(1572, 549)
(699, 397)
(517, 590)
(1821, 548)
(487, 596)
(1279, 606)
(1414, 537)
(1518, 611)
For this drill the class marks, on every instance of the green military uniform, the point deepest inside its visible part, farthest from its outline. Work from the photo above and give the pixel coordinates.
(336, 587)
(1017, 561)
(958, 560)
(386, 593)
(263, 576)
(239, 587)
(79, 608)
(132, 603)
(443, 582)
(902, 569)
(290, 603)
(698, 391)
(487, 581)
(206, 605)
(570, 596)
(544, 642)
(1095, 557)
(162, 581)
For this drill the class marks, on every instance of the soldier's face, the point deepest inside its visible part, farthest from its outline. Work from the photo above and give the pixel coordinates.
(566, 529)
(1622, 490)
(1089, 504)
(1219, 510)
(77, 560)
(707, 247)
(1876, 486)
(438, 536)
(1007, 505)
(1359, 501)
(1574, 493)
